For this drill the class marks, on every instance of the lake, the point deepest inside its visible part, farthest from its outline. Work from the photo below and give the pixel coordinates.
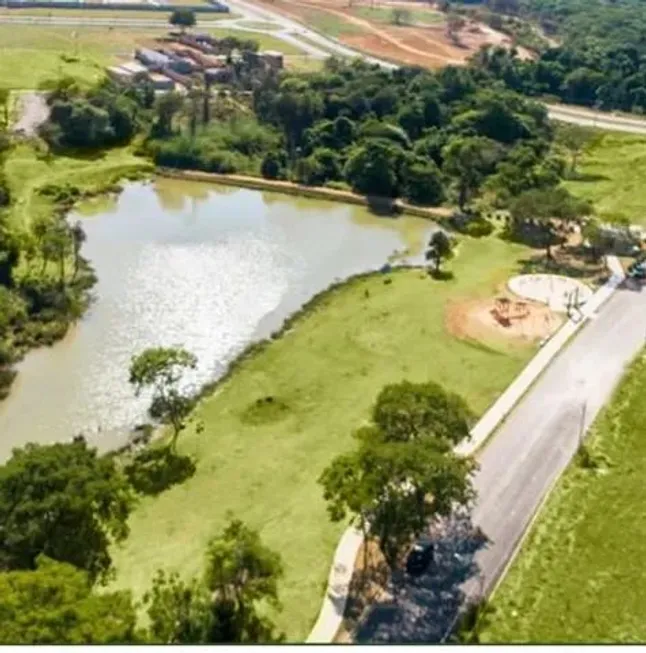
(207, 267)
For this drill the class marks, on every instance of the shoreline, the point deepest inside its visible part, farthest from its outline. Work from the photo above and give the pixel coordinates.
(436, 214)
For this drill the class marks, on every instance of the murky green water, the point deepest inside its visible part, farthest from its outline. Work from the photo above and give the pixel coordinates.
(207, 267)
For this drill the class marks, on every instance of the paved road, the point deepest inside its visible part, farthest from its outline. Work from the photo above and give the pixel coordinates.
(527, 454)
(316, 45)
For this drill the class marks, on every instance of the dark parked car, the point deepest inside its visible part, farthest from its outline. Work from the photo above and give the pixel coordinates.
(420, 556)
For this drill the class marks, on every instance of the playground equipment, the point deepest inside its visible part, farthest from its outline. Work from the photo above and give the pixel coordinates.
(561, 294)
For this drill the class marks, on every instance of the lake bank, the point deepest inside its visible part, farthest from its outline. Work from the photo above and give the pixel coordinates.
(317, 192)
(212, 268)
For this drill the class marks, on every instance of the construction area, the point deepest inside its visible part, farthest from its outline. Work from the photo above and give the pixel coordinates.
(178, 61)
(409, 32)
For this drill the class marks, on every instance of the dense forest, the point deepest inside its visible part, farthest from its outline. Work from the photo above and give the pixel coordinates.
(598, 62)
(427, 137)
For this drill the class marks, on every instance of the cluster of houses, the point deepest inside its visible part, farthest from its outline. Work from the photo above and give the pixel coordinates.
(180, 57)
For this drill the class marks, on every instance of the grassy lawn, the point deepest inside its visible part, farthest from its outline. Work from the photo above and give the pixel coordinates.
(326, 372)
(30, 54)
(105, 12)
(613, 172)
(385, 15)
(329, 24)
(27, 172)
(303, 64)
(580, 575)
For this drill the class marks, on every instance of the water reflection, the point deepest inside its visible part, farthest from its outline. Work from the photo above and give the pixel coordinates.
(210, 269)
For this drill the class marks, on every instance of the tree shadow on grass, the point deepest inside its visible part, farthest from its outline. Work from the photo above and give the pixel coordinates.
(425, 609)
(156, 469)
(587, 177)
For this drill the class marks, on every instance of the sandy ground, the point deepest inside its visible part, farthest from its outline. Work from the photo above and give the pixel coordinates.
(518, 320)
(33, 112)
(428, 46)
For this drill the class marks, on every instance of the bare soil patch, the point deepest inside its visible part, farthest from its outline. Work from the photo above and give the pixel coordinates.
(429, 46)
(505, 316)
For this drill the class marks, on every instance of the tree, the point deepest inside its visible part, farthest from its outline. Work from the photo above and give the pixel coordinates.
(454, 23)
(424, 184)
(401, 16)
(393, 489)
(63, 501)
(469, 160)
(574, 139)
(166, 108)
(553, 210)
(178, 612)
(160, 369)
(182, 18)
(78, 238)
(406, 411)
(439, 248)
(241, 573)
(273, 165)
(55, 604)
(373, 168)
(404, 471)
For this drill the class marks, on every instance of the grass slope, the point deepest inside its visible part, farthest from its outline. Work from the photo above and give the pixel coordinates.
(27, 171)
(580, 575)
(324, 374)
(613, 176)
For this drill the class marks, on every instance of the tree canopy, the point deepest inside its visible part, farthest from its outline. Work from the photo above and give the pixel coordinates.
(403, 472)
(54, 604)
(63, 501)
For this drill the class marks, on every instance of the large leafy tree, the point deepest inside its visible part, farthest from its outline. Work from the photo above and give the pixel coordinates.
(407, 411)
(468, 160)
(160, 370)
(374, 168)
(179, 612)
(439, 249)
(182, 18)
(55, 604)
(241, 574)
(63, 501)
(404, 472)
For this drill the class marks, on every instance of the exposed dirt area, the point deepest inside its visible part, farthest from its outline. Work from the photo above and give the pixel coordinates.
(505, 316)
(429, 46)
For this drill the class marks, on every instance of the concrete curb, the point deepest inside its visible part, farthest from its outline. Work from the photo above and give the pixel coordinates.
(336, 596)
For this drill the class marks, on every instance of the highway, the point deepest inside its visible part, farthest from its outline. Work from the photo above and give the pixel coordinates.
(316, 45)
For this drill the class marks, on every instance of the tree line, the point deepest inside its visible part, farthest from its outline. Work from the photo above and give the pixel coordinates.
(599, 59)
(447, 136)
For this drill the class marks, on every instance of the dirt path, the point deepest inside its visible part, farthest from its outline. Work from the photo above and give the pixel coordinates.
(386, 36)
(33, 111)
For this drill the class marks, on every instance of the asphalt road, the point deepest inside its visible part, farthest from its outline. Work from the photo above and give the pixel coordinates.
(517, 468)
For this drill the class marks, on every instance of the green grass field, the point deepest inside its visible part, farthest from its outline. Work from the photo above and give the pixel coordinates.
(580, 575)
(329, 24)
(327, 370)
(105, 12)
(27, 172)
(385, 15)
(30, 54)
(613, 172)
